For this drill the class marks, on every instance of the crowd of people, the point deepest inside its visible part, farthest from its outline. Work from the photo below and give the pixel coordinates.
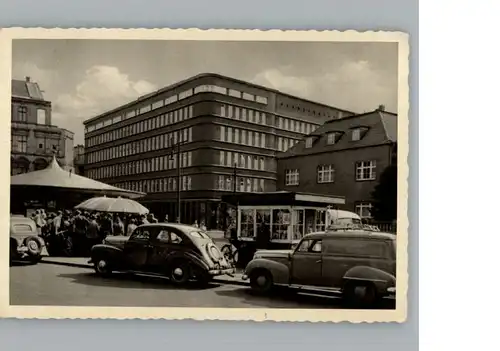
(75, 232)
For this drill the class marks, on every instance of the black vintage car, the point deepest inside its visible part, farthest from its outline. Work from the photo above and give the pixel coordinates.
(177, 251)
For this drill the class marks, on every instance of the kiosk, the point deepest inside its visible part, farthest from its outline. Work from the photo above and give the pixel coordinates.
(275, 220)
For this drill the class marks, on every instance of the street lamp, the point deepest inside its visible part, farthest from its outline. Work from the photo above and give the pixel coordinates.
(235, 169)
(176, 148)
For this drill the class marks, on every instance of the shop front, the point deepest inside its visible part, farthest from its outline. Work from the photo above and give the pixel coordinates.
(276, 220)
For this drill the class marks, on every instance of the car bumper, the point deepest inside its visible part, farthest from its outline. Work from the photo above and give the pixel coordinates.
(222, 271)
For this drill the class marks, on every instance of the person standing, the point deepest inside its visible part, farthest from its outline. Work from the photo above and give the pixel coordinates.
(131, 227)
(118, 228)
(92, 233)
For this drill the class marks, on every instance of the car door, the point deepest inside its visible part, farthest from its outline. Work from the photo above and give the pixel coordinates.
(166, 242)
(138, 247)
(342, 254)
(306, 263)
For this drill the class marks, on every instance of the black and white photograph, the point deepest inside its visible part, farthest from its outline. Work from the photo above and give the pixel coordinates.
(224, 174)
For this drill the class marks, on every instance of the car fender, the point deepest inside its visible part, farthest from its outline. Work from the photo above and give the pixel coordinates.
(381, 279)
(112, 253)
(193, 259)
(279, 271)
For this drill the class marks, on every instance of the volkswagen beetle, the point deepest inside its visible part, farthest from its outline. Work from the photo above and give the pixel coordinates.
(180, 252)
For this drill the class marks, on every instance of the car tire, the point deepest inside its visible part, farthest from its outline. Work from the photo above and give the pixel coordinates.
(102, 266)
(261, 281)
(360, 294)
(179, 272)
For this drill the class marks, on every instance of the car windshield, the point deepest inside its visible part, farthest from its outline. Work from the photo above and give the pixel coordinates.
(199, 234)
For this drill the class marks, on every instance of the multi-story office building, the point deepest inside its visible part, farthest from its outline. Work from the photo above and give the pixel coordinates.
(228, 130)
(343, 157)
(34, 140)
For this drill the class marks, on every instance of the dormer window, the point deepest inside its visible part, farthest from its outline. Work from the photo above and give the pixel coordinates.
(356, 134)
(309, 142)
(331, 138)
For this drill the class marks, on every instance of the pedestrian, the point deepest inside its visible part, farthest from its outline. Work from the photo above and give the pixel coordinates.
(118, 228)
(195, 224)
(166, 218)
(92, 233)
(131, 227)
(203, 226)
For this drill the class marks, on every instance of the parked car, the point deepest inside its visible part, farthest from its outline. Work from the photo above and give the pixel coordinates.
(179, 252)
(25, 243)
(359, 264)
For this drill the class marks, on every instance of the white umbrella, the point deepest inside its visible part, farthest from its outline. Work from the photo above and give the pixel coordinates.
(110, 204)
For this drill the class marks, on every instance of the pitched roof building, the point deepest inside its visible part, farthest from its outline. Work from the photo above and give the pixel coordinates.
(343, 157)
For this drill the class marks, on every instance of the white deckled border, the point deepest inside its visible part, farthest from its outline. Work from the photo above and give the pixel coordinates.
(247, 314)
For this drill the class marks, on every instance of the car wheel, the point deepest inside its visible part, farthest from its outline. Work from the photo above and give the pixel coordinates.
(261, 281)
(102, 267)
(179, 272)
(360, 294)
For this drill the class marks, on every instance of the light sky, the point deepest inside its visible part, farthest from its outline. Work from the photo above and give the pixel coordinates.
(84, 78)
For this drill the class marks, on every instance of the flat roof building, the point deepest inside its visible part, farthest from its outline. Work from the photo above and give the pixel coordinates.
(228, 130)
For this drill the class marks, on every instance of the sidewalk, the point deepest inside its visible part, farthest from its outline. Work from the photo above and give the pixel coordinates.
(81, 262)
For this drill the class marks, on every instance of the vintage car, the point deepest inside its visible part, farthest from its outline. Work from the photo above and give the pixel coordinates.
(25, 244)
(358, 264)
(179, 252)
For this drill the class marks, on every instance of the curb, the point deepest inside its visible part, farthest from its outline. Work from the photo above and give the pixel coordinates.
(83, 265)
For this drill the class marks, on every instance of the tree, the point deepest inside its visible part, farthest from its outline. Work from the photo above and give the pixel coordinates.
(385, 195)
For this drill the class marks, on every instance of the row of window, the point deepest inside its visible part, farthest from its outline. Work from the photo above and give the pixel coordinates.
(161, 102)
(242, 136)
(159, 185)
(143, 126)
(333, 137)
(157, 142)
(253, 116)
(155, 164)
(243, 184)
(365, 170)
(22, 115)
(19, 143)
(283, 144)
(231, 159)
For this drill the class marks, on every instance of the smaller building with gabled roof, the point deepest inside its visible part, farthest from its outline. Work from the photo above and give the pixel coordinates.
(344, 157)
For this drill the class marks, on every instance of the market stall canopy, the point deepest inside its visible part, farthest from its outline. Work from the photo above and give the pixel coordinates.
(56, 177)
(115, 205)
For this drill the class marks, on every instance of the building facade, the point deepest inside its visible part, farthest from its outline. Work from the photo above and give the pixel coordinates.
(229, 133)
(34, 140)
(79, 159)
(343, 157)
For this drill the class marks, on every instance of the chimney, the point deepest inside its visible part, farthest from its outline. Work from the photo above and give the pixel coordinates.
(381, 107)
(28, 79)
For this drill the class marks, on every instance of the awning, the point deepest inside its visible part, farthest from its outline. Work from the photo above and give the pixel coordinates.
(287, 198)
(55, 177)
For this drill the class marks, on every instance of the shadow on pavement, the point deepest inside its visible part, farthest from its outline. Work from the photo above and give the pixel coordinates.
(131, 281)
(290, 297)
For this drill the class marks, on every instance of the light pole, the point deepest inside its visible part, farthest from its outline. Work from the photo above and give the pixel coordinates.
(176, 148)
(235, 169)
